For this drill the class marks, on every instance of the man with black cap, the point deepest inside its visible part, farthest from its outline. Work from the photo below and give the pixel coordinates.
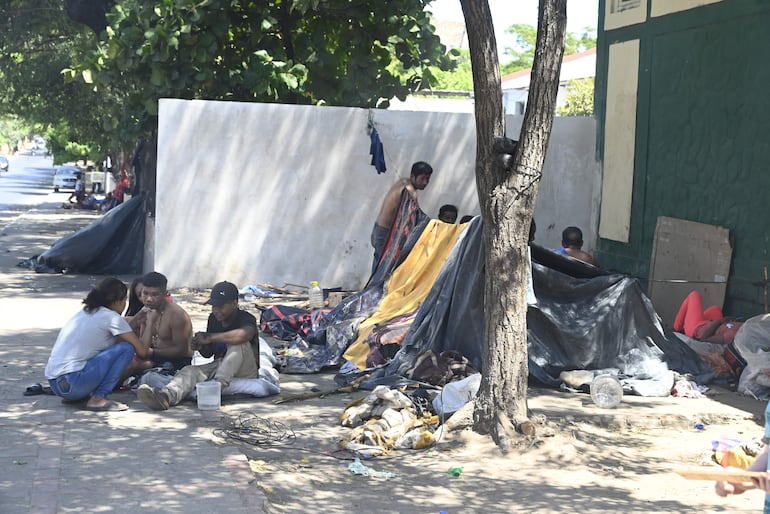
(231, 337)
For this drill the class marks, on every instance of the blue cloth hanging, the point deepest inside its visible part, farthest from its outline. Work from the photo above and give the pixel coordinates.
(378, 152)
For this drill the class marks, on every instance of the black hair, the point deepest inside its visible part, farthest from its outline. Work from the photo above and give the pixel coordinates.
(447, 208)
(572, 236)
(104, 294)
(155, 279)
(134, 302)
(421, 168)
(466, 218)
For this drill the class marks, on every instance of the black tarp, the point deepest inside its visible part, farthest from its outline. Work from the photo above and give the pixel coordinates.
(114, 244)
(585, 318)
(592, 320)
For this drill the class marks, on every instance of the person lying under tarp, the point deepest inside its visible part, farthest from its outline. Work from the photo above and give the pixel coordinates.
(711, 335)
(705, 325)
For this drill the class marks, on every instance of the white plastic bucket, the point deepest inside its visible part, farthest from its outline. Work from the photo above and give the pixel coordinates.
(209, 395)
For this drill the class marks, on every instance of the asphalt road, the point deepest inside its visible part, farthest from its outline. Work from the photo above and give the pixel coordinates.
(31, 220)
(28, 183)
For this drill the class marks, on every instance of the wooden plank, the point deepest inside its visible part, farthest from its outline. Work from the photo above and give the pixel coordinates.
(687, 256)
(729, 475)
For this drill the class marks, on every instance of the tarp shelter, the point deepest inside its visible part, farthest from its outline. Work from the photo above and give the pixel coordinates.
(114, 244)
(584, 318)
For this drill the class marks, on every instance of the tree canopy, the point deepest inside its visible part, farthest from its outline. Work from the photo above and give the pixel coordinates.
(36, 43)
(579, 98)
(335, 52)
(522, 54)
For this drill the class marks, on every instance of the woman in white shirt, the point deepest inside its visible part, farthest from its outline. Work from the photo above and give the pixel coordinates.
(94, 348)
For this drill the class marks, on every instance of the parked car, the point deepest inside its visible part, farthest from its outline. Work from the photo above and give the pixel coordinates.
(65, 177)
(3, 163)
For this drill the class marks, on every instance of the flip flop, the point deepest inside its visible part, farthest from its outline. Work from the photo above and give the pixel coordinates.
(37, 389)
(33, 390)
(110, 406)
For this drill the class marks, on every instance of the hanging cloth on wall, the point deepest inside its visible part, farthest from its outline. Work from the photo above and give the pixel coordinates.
(378, 152)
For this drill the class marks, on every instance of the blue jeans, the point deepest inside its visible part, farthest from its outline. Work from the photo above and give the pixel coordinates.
(99, 376)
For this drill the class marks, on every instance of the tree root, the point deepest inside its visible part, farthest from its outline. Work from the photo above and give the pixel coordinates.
(504, 432)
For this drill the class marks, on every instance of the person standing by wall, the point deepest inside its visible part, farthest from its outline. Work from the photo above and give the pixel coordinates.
(417, 181)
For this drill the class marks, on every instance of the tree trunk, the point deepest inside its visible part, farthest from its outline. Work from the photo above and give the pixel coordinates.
(507, 187)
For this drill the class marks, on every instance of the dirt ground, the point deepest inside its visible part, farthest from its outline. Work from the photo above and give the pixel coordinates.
(583, 459)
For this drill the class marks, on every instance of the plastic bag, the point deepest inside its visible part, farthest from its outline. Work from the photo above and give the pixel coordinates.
(456, 394)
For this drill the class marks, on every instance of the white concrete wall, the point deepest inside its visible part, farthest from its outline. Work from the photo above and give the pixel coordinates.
(285, 194)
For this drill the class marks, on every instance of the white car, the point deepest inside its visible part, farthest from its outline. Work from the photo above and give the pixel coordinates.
(65, 177)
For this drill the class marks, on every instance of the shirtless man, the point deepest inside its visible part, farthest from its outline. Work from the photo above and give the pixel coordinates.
(165, 325)
(231, 337)
(417, 181)
(572, 242)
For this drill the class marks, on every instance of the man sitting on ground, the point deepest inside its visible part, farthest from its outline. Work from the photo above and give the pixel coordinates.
(164, 324)
(572, 244)
(231, 337)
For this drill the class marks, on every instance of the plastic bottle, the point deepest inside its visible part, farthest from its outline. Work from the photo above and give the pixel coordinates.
(606, 391)
(316, 296)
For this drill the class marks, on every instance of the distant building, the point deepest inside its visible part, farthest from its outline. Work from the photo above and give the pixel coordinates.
(435, 101)
(573, 67)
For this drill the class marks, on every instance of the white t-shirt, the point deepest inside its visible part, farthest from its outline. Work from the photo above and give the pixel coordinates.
(84, 336)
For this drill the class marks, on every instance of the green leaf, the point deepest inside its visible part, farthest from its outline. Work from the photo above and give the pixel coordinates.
(151, 106)
(157, 77)
(290, 80)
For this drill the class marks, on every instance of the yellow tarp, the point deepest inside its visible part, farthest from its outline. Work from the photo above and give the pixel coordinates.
(409, 284)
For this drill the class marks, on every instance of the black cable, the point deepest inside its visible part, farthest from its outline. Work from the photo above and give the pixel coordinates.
(257, 431)
(252, 429)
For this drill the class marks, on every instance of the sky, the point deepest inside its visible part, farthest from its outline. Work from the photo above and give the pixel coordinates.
(580, 14)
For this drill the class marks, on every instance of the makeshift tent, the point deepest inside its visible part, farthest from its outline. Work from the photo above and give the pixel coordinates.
(584, 318)
(114, 244)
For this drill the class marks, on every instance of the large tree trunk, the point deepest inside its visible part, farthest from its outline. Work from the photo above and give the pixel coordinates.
(507, 188)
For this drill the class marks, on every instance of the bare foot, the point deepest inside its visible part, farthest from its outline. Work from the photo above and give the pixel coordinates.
(97, 403)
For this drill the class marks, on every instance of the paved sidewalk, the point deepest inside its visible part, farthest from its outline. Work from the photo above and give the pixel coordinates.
(58, 458)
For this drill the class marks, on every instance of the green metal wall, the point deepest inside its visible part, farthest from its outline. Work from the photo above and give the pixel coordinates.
(702, 136)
